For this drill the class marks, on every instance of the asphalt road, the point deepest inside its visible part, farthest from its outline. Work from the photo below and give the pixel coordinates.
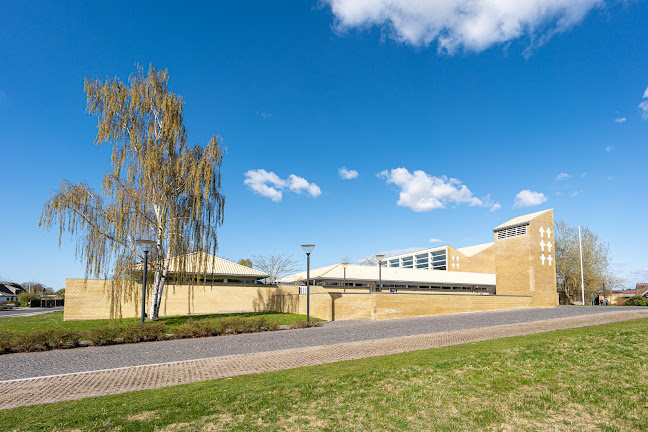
(26, 365)
(12, 313)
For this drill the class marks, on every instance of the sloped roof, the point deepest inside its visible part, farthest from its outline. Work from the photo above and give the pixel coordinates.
(520, 220)
(473, 250)
(200, 262)
(394, 275)
(10, 288)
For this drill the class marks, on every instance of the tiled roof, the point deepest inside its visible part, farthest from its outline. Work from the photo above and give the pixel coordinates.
(473, 250)
(200, 262)
(394, 275)
(520, 220)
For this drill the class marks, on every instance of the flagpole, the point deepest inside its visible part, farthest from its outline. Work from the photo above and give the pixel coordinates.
(580, 244)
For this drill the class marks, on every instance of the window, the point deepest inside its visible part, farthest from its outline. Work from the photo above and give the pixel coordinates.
(512, 232)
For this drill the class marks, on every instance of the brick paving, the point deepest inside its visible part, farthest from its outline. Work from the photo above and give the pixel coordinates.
(40, 390)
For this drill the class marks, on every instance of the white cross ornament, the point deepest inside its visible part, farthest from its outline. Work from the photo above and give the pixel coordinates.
(542, 245)
(549, 246)
(541, 231)
(550, 259)
(543, 258)
(548, 232)
(457, 265)
(453, 265)
(453, 260)
(457, 259)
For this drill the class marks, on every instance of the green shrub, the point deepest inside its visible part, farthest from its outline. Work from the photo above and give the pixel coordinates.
(104, 335)
(636, 301)
(6, 341)
(201, 328)
(61, 337)
(24, 298)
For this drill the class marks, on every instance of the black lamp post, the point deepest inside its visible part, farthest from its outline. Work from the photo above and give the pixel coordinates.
(146, 246)
(344, 267)
(308, 248)
(379, 259)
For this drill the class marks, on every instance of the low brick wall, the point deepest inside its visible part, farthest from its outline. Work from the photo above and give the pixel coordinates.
(91, 299)
(378, 306)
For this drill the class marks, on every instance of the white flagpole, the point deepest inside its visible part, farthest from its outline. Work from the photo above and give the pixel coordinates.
(580, 244)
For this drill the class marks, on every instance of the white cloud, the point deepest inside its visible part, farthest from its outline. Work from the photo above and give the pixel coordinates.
(562, 176)
(620, 120)
(264, 115)
(528, 198)
(422, 192)
(299, 184)
(347, 174)
(435, 240)
(470, 24)
(270, 185)
(609, 148)
(643, 106)
(583, 174)
(574, 194)
(632, 277)
(495, 207)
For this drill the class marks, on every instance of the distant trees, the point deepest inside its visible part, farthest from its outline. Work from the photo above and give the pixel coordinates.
(160, 188)
(36, 288)
(277, 266)
(245, 262)
(596, 262)
(368, 261)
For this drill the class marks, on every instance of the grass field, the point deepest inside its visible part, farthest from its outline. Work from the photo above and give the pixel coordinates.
(49, 331)
(591, 378)
(54, 320)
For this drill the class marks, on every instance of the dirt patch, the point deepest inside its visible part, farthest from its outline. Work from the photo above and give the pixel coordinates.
(143, 416)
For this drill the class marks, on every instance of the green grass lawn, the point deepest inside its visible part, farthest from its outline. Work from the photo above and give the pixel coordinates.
(54, 320)
(592, 378)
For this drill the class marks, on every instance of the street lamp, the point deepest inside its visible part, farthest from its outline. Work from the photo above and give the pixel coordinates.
(308, 248)
(146, 246)
(344, 267)
(379, 259)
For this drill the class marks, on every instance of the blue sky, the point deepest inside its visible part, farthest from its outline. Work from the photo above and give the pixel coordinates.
(445, 117)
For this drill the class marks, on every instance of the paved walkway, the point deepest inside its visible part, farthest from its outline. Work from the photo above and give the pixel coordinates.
(71, 386)
(25, 311)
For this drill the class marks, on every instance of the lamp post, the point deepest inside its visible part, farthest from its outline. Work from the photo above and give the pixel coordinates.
(146, 246)
(379, 259)
(308, 248)
(344, 267)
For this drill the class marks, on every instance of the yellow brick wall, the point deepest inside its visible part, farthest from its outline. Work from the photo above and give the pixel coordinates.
(482, 262)
(91, 299)
(392, 306)
(519, 267)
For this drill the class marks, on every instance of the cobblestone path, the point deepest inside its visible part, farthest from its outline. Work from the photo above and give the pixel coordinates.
(39, 390)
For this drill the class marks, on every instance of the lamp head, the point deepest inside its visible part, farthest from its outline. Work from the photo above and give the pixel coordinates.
(344, 265)
(145, 245)
(308, 248)
(380, 257)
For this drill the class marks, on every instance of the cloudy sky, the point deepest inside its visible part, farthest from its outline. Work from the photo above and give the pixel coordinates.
(361, 126)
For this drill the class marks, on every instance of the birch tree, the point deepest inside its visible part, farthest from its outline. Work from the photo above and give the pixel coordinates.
(159, 188)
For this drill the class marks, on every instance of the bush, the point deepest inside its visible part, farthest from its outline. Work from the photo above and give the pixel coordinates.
(24, 298)
(201, 328)
(104, 335)
(636, 301)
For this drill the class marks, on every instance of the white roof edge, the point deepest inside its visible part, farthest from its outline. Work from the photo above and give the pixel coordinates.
(520, 220)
